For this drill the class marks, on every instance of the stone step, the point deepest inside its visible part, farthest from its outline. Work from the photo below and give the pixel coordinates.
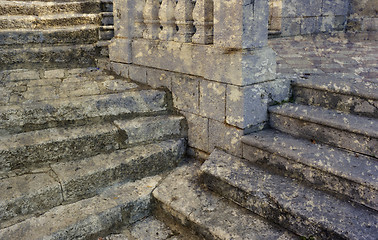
(41, 89)
(181, 197)
(67, 182)
(322, 166)
(80, 110)
(148, 228)
(50, 56)
(42, 37)
(33, 149)
(350, 96)
(48, 21)
(355, 133)
(307, 212)
(39, 8)
(87, 219)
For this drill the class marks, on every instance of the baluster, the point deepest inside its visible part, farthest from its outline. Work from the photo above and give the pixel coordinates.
(151, 19)
(139, 25)
(184, 20)
(167, 19)
(203, 20)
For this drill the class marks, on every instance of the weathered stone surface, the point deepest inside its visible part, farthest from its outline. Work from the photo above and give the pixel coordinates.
(46, 8)
(181, 196)
(78, 54)
(45, 21)
(131, 102)
(148, 129)
(198, 131)
(125, 204)
(359, 98)
(305, 211)
(34, 148)
(359, 134)
(185, 91)
(84, 178)
(225, 137)
(137, 73)
(69, 34)
(323, 166)
(56, 73)
(212, 102)
(21, 195)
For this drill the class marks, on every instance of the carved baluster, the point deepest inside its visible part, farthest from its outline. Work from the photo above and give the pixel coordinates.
(203, 20)
(139, 25)
(151, 19)
(167, 19)
(184, 20)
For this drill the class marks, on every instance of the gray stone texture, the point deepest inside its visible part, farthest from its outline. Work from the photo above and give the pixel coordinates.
(185, 92)
(359, 98)
(198, 131)
(126, 203)
(323, 166)
(305, 211)
(212, 100)
(226, 137)
(355, 133)
(181, 196)
(84, 178)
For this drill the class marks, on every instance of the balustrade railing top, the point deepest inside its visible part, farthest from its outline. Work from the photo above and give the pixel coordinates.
(175, 20)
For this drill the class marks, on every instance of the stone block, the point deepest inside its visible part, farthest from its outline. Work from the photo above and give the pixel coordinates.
(159, 78)
(246, 106)
(212, 100)
(185, 91)
(198, 131)
(225, 137)
(243, 67)
(301, 8)
(120, 50)
(335, 7)
(138, 73)
(310, 25)
(16, 75)
(291, 26)
(56, 73)
(120, 69)
(168, 55)
(241, 23)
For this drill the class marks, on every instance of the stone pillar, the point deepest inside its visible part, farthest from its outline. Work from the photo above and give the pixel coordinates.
(120, 48)
(241, 47)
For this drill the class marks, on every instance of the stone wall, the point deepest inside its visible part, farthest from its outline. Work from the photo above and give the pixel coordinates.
(363, 15)
(222, 77)
(301, 17)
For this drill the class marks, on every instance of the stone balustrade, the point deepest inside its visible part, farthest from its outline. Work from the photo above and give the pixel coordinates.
(213, 55)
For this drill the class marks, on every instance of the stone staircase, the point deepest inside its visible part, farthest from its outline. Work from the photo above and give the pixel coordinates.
(73, 143)
(53, 33)
(314, 173)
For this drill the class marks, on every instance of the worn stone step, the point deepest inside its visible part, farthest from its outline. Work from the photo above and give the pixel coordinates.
(355, 133)
(41, 89)
(42, 37)
(48, 21)
(85, 178)
(148, 228)
(181, 197)
(39, 8)
(79, 110)
(28, 57)
(305, 211)
(38, 148)
(350, 96)
(323, 166)
(89, 218)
